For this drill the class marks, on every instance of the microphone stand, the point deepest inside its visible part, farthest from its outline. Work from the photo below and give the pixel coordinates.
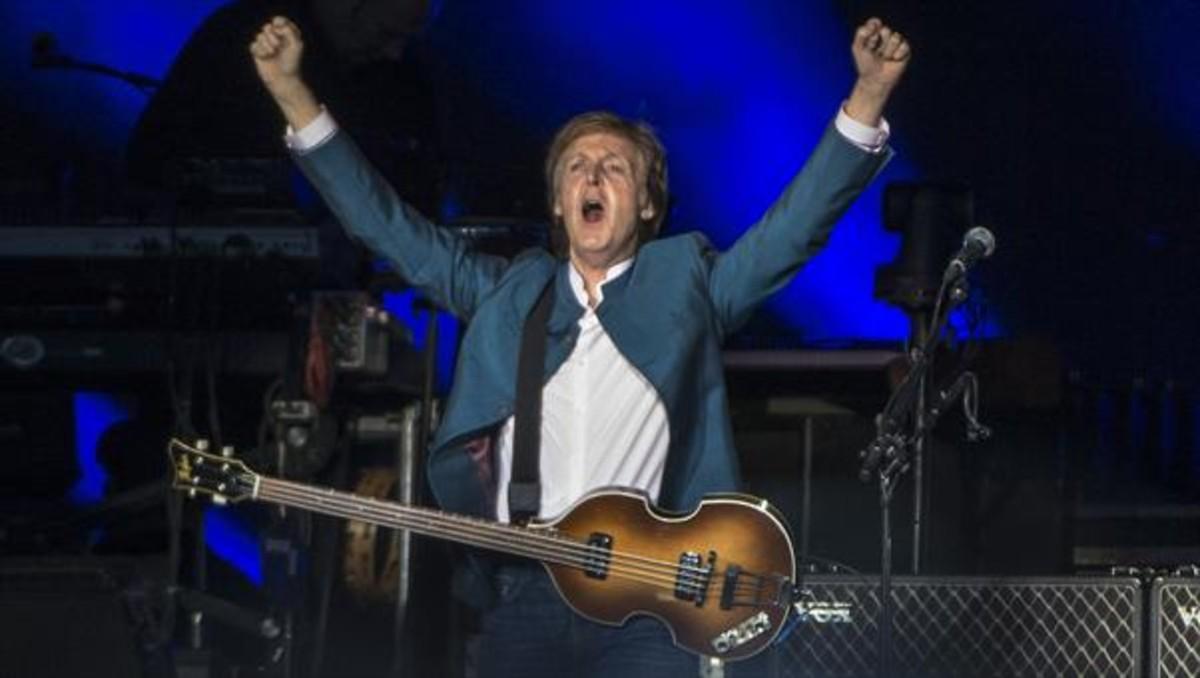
(45, 57)
(892, 451)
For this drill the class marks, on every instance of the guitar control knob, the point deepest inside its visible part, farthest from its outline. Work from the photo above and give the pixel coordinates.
(192, 494)
(219, 500)
(227, 450)
(202, 445)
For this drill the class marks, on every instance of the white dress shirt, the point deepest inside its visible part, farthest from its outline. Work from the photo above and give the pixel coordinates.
(603, 424)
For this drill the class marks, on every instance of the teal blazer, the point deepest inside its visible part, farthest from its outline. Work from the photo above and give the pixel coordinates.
(668, 313)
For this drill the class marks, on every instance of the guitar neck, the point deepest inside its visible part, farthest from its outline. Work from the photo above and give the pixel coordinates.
(539, 544)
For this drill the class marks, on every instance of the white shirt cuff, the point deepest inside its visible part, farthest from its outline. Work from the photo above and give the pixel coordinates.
(870, 139)
(312, 135)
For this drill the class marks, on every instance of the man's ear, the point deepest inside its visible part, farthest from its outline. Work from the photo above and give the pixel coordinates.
(646, 210)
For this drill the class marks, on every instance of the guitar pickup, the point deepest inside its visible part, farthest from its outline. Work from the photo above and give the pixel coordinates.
(599, 556)
(693, 576)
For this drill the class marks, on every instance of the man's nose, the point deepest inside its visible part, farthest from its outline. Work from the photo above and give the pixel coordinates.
(594, 175)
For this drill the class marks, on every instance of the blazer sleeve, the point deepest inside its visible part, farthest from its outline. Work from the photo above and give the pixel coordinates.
(795, 228)
(430, 258)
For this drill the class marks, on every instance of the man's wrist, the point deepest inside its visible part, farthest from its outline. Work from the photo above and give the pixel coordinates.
(290, 90)
(297, 102)
(866, 102)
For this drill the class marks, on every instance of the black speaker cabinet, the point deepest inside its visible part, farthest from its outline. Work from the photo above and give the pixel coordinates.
(1175, 627)
(962, 626)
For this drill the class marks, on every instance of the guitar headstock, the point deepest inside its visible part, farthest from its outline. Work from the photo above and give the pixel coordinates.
(221, 476)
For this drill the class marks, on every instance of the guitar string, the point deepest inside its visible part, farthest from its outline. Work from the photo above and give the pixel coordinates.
(476, 525)
(754, 582)
(557, 556)
(466, 528)
(690, 584)
(553, 549)
(488, 534)
(322, 497)
(739, 599)
(693, 582)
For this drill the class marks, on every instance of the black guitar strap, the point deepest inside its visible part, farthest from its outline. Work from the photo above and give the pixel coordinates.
(524, 487)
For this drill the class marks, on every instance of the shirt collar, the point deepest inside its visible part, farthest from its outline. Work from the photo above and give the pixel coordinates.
(580, 290)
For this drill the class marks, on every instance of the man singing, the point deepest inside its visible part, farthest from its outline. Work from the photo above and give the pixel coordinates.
(632, 391)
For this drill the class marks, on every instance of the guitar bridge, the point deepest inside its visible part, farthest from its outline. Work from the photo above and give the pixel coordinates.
(740, 588)
(732, 573)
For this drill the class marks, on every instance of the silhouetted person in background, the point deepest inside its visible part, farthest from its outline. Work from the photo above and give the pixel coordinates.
(366, 56)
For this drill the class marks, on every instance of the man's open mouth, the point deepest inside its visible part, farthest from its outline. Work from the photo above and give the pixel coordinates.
(593, 210)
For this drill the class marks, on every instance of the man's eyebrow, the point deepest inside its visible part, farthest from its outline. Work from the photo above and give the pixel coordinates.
(606, 156)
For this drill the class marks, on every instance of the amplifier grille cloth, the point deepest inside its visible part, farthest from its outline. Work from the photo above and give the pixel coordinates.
(1175, 628)
(964, 627)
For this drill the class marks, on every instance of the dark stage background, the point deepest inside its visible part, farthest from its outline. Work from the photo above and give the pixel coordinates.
(164, 270)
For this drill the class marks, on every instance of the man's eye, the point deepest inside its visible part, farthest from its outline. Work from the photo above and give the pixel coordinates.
(615, 168)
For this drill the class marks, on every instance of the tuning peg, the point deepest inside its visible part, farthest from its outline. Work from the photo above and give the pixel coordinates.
(202, 445)
(219, 500)
(227, 450)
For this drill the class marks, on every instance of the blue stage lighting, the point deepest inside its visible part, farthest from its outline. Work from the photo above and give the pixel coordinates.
(94, 414)
(739, 92)
(234, 540)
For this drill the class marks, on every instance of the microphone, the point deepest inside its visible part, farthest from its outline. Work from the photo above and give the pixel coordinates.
(978, 243)
(45, 54)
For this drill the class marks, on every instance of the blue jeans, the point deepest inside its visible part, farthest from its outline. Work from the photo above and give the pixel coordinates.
(531, 632)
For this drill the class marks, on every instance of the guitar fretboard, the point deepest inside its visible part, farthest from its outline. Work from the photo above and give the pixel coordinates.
(530, 542)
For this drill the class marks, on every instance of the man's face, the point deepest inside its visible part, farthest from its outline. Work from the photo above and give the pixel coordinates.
(601, 190)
